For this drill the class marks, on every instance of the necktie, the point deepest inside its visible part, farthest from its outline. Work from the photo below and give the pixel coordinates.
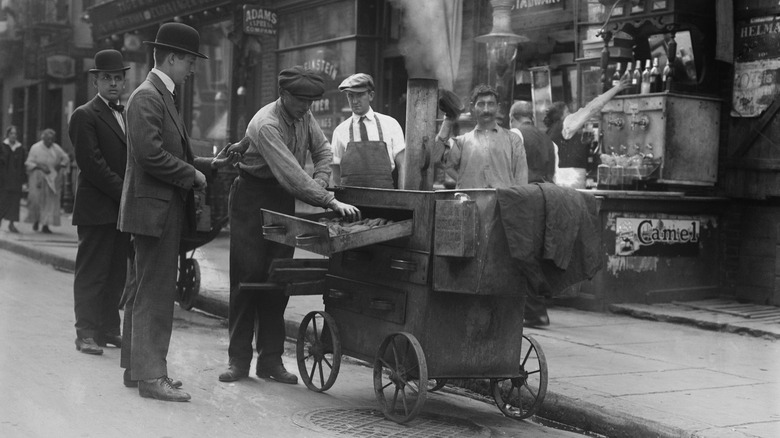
(116, 107)
(363, 131)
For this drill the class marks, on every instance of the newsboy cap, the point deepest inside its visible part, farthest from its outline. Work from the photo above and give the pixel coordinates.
(302, 82)
(358, 82)
(178, 37)
(108, 60)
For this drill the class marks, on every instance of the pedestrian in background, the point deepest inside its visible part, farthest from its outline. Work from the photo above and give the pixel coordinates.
(97, 132)
(368, 148)
(542, 157)
(271, 176)
(46, 165)
(157, 207)
(12, 177)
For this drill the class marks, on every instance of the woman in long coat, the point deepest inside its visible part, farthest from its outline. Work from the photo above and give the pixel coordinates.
(12, 177)
(45, 166)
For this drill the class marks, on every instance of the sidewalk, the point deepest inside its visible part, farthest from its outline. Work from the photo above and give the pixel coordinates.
(652, 371)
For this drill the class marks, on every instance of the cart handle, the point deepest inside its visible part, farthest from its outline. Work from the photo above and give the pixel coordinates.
(403, 265)
(337, 294)
(306, 239)
(274, 229)
(377, 304)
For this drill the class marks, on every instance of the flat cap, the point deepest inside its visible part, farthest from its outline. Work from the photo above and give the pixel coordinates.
(302, 82)
(358, 83)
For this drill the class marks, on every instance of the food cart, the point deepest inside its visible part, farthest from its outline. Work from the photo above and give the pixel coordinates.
(430, 296)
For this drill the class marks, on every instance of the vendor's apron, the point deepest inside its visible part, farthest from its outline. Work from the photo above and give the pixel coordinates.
(366, 163)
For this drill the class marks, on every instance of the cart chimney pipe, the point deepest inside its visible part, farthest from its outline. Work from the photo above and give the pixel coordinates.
(422, 100)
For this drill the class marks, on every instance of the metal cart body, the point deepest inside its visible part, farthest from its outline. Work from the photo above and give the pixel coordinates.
(439, 281)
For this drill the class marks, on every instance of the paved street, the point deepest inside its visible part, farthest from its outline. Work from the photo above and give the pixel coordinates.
(614, 374)
(51, 390)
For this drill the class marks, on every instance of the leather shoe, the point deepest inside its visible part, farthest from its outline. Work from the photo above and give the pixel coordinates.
(278, 373)
(130, 383)
(539, 321)
(88, 346)
(161, 388)
(105, 340)
(233, 373)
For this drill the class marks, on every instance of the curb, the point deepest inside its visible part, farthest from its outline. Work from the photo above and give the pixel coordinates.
(58, 262)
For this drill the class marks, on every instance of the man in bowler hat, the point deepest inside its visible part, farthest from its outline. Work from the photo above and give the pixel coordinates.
(97, 131)
(271, 176)
(157, 207)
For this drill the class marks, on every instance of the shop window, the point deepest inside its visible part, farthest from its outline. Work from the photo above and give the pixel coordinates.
(335, 62)
(209, 120)
(320, 23)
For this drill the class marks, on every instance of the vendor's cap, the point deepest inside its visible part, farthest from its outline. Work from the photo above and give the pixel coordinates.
(302, 82)
(107, 61)
(178, 37)
(358, 83)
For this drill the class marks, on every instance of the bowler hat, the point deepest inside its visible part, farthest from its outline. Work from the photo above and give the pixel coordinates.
(178, 37)
(108, 60)
(302, 83)
(358, 83)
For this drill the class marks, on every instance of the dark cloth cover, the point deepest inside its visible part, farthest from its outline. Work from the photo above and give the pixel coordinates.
(554, 231)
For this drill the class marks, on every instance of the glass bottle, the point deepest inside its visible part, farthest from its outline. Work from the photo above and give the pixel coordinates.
(627, 77)
(655, 78)
(645, 88)
(616, 75)
(636, 78)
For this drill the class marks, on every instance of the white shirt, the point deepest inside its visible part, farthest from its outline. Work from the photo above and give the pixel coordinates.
(165, 78)
(117, 115)
(392, 134)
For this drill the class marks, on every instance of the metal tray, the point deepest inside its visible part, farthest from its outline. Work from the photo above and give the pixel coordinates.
(306, 233)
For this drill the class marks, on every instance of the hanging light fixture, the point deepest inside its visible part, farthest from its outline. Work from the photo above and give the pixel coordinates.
(501, 41)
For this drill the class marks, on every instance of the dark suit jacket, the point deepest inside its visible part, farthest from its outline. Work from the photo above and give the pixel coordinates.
(101, 154)
(160, 163)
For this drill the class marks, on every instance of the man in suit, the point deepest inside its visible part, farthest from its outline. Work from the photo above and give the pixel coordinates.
(97, 131)
(157, 207)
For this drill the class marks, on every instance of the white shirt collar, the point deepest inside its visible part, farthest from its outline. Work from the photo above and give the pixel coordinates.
(105, 100)
(369, 115)
(165, 78)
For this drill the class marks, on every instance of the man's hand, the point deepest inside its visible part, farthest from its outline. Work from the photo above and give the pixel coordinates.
(239, 148)
(345, 210)
(225, 158)
(200, 180)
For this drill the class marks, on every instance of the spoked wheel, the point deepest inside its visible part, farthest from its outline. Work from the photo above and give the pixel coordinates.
(520, 397)
(318, 349)
(400, 377)
(188, 284)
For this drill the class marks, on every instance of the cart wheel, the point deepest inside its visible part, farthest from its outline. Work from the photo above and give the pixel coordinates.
(520, 397)
(436, 384)
(188, 285)
(318, 349)
(400, 365)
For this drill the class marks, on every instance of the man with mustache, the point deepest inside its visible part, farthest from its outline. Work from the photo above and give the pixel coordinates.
(489, 156)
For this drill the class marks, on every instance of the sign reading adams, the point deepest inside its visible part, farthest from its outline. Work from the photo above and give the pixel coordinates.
(259, 21)
(657, 237)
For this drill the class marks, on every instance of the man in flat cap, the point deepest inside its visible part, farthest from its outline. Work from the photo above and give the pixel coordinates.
(157, 208)
(271, 176)
(368, 148)
(97, 132)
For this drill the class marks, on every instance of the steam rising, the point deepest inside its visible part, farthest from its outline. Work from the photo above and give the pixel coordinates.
(430, 39)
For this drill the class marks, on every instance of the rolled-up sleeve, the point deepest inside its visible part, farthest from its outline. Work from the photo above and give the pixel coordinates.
(286, 169)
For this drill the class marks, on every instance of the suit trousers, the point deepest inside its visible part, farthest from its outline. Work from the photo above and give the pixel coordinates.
(101, 270)
(148, 320)
(260, 313)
